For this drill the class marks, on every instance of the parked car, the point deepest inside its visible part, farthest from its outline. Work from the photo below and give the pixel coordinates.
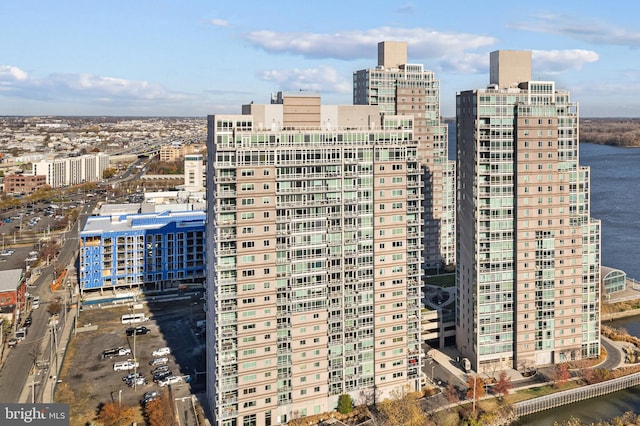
(137, 330)
(119, 351)
(139, 381)
(28, 321)
(35, 303)
(161, 376)
(171, 380)
(131, 376)
(21, 333)
(149, 396)
(158, 361)
(125, 365)
(13, 342)
(160, 369)
(161, 352)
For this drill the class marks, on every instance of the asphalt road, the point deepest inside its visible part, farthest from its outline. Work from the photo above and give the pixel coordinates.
(21, 359)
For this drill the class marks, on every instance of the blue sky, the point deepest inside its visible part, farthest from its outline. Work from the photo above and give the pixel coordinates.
(199, 57)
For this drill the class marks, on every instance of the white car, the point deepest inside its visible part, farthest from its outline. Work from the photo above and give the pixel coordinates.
(161, 352)
(170, 380)
(159, 361)
(125, 365)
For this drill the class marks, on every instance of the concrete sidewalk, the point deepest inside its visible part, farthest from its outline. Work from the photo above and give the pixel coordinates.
(447, 357)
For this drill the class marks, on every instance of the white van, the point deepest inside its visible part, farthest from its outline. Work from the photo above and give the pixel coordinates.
(134, 318)
(35, 303)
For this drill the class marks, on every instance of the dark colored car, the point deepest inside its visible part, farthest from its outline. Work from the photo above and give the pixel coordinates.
(28, 321)
(160, 376)
(137, 330)
(160, 369)
(149, 396)
(110, 353)
(131, 376)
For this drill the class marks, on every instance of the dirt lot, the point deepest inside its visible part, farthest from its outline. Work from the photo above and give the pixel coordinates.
(88, 381)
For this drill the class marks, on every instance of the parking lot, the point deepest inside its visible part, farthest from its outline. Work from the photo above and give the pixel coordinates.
(87, 380)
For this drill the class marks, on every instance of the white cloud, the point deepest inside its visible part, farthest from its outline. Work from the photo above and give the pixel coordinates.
(557, 61)
(435, 48)
(219, 22)
(407, 9)
(596, 32)
(9, 73)
(83, 86)
(321, 79)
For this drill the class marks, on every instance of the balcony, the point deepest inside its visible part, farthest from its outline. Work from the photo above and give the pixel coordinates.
(228, 386)
(228, 413)
(226, 252)
(227, 295)
(224, 236)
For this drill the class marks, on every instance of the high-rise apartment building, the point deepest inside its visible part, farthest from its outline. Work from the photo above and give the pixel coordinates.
(72, 170)
(194, 172)
(528, 252)
(400, 88)
(314, 245)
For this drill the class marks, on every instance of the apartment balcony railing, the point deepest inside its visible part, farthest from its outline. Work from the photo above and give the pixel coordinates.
(228, 414)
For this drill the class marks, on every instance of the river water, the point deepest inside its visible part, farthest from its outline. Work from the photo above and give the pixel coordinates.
(615, 200)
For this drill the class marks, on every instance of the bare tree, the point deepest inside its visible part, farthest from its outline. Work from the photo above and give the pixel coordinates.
(503, 385)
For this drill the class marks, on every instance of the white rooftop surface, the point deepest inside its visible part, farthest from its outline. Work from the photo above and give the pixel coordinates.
(10, 279)
(120, 222)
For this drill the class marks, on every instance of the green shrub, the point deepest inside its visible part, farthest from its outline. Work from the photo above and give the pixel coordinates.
(345, 404)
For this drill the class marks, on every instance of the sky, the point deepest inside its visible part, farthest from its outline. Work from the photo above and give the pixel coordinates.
(201, 57)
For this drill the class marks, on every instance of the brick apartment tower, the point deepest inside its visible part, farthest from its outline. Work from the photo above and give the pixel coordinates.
(400, 88)
(528, 252)
(314, 243)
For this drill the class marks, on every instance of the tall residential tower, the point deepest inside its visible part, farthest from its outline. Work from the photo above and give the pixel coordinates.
(400, 88)
(314, 251)
(528, 252)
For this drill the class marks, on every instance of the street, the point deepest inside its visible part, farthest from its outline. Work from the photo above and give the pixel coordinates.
(35, 349)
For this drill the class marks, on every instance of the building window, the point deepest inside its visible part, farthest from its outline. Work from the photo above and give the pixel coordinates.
(250, 420)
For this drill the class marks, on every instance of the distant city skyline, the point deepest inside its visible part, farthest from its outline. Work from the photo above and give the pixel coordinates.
(164, 58)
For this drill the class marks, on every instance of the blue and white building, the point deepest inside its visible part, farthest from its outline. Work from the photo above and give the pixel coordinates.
(155, 250)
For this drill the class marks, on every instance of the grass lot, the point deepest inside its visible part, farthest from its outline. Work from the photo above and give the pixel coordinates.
(448, 280)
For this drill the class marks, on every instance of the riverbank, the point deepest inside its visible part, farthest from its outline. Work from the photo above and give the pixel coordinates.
(620, 315)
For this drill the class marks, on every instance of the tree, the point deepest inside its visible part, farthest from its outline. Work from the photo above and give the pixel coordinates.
(594, 375)
(108, 173)
(345, 404)
(477, 383)
(560, 375)
(402, 409)
(503, 385)
(6, 329)
(112, 414)
(54, 308)
(452, 394)
(158, 412)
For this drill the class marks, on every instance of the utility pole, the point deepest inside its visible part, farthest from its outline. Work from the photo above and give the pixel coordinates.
(135, 358)
(474, 394)
(55, 354)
